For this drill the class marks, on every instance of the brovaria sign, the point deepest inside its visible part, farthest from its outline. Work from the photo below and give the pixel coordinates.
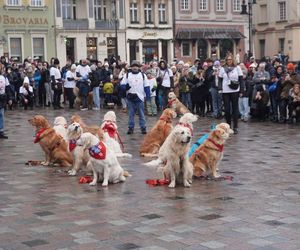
(5, 19)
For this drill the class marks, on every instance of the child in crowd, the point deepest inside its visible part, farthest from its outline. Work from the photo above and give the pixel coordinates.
(244, 95)
(295, 102)
(151, 105)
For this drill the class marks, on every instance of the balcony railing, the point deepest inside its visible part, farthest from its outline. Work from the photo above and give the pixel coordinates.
(106, 24)
(77, 24)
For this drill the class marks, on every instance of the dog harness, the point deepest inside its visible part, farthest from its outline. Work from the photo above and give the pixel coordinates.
(110, 128)
(187, 125)
(72, 145)
(171, 102)
(220, 147)
(98, 151)
(38, 135)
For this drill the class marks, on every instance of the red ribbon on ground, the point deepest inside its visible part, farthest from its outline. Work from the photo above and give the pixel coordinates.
(157, 182)
(85, 179)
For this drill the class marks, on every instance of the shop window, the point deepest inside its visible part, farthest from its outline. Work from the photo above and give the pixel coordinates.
(226, 47)
(202, 49)
(36, 3)
(70, 48)
(14, 2)
(38, 48)
(111, 46)
(69, 9)
(133, 13)
(148, 12)
(186, 48)
(91, 46)
(16, 48)
(162, 13)
(150, 50)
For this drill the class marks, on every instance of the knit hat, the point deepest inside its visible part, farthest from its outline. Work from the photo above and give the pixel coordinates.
(290, 66)
(73, 66)
(135, 63)
(217, 64)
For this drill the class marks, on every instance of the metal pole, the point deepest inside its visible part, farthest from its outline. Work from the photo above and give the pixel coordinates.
(250, 26)
(116, 31)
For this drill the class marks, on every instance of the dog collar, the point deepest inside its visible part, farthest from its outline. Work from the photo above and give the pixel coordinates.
(220, 147)
(187, 125)
(38, 135)
(171, 102)
(98, 151)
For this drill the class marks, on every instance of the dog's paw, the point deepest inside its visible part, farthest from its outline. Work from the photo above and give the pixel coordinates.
(186, 183)
(72, 172)
(172, 184)
(105, 183)
(217, 175)
(122, 178)
(93, 183)
(45, 163)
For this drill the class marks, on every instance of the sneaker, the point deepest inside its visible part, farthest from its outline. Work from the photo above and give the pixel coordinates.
(130, 131)
(235, 131)
(96, 108)
(3, 136)
(84, 109)
(245, 119)
(144, 131)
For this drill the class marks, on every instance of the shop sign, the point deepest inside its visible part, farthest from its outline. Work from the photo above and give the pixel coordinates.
(149, 34)
(5, 19)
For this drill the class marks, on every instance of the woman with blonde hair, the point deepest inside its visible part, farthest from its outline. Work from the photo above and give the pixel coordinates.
(231, 84)
(176, 76)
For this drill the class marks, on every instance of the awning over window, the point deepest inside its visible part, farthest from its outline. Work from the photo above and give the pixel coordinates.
(208, 33)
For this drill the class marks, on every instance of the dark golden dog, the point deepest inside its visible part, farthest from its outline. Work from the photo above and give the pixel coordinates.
(54, 146)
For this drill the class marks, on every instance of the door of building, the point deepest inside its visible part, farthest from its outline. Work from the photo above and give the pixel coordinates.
(202, 49)
(70, 49)
(226, 47)
(150, 50)
(164, 49)
(132, 50)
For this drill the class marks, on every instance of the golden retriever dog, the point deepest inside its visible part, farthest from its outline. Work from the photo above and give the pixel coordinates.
(78, 101)
(111, 135)
(208, 155)
(60, 127)
(158, 134)
(80, 156)
(176, 105)
(54, 146)
(173, 158)
(95, 130)
(103, 160)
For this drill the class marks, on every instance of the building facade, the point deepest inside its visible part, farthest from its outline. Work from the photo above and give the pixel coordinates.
(27, 29)
(277, 28)
(149, 30)
(93, 29)
(209, 28)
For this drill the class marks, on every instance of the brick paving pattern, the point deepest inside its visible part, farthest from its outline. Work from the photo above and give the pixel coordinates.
(44, 208)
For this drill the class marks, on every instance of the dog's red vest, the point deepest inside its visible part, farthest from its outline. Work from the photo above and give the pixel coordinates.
(38, 135)
(98, 151)
(171, 102)
(72, 145)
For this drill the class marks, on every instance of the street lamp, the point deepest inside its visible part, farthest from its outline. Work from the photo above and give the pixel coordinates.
(116, 28)
(249, 13)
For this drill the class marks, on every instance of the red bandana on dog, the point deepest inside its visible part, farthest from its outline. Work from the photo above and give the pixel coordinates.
(72, 145)
(171, 102)
(110, 128)
(187, 125)
(219, 146)
(38, 135)
(98, 151)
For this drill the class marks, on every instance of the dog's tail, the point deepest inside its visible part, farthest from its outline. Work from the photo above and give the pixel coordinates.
(126, 174)
(154, 163)
(124, 155)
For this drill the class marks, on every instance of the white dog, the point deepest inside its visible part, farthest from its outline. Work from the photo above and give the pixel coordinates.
(80, 157)
(103, 160)
(111, 135)
(173, 157)
(60, 127)
(187, 120)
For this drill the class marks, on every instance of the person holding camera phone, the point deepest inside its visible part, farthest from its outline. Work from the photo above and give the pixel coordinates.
(231, 84)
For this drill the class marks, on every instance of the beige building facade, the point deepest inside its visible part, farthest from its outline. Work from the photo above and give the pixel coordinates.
(209, 28)
(90, 29)
(277, 28)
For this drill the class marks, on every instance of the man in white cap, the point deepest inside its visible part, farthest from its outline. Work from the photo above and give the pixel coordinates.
(136, 87)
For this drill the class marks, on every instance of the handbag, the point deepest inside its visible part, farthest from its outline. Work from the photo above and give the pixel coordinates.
(234, 85)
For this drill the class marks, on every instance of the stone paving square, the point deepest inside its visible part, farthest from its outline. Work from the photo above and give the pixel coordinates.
(44, 208)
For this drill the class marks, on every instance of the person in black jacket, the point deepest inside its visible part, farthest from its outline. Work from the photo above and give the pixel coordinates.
(95, 81)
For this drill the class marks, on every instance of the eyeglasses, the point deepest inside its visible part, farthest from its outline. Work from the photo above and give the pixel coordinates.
(229, 59)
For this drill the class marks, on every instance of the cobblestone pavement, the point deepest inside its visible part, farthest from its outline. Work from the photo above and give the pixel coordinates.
(43, 208)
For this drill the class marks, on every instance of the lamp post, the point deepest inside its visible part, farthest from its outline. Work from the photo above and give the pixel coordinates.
(116, 28)
(249, 13)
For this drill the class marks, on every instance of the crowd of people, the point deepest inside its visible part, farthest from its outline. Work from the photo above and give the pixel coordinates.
(265, 89)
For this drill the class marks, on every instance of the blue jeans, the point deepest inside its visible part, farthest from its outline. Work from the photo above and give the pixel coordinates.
(186, 100)
(216, 102)
(244, 107)
(84, 92)
(96, 97)
(1, 120)
(133, 107)
(274, 104)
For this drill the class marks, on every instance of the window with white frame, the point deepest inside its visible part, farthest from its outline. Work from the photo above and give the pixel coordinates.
(100, 9)
(15, 44)
(237, 5)
(148, 12)
(133, 12)
(36, 3)
(186, 48)
(202, 5)
(282, 11)
(184, 4)
(13, 2)
(38, 47)
(162, 13)
(68, 9)
(220, 5)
